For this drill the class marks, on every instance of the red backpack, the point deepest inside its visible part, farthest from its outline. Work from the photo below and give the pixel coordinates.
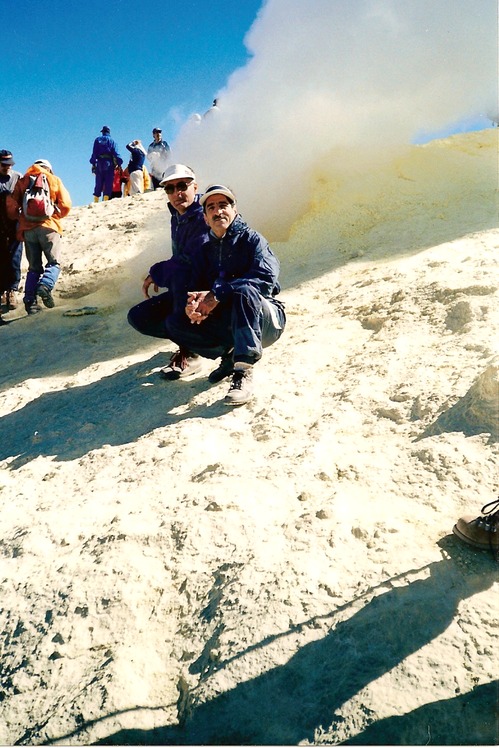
(37, 204)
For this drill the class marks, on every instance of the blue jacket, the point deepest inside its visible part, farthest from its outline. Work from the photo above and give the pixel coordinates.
(105, 149)
(242, 256)
(189, 233)
(137, 159)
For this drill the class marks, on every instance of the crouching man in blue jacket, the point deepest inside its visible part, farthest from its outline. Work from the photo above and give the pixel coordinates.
(238, 314)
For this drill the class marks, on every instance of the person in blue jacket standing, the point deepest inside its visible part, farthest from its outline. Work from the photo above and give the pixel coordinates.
(135, 166)
(104, 158)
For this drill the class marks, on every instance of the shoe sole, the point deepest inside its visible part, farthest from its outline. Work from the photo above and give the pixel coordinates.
(171, 375)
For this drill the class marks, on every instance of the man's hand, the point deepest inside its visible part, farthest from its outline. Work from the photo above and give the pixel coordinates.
(145, 286)
(199, 305)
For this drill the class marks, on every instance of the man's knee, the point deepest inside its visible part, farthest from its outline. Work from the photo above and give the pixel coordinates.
(135, 317)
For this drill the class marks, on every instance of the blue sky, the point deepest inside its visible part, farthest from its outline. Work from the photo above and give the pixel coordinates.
(71, 67)
(321, 76)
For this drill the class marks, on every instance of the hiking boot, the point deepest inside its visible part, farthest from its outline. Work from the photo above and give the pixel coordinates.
(32, 307)
(241, 387)
(481, 532)
(10, 300)
(44, 293)
(182, 364)
(224, 369)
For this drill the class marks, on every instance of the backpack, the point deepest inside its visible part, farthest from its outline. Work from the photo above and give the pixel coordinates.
(37, 204)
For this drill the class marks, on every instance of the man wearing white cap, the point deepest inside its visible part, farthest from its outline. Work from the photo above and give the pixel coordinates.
(40, 228)
(188, 233)
(235, 313)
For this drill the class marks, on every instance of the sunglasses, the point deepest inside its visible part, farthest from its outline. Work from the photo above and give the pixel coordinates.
(179, 186)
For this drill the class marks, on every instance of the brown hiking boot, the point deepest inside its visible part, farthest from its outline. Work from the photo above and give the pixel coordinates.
(483, 531)
(11, 300)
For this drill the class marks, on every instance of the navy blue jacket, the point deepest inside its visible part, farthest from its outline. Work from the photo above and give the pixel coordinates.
(189, 233)
(137, 159)
(242, 256)
(105, 149)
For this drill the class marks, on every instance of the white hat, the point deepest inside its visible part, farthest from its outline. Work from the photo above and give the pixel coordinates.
(44, 163)
(217, 189)
(177, 171)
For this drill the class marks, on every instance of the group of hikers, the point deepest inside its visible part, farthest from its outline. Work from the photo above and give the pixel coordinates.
(218, 288)
(107, 165)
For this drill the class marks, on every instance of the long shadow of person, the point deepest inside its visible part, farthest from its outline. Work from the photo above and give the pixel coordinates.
(117, 409)
(469, 717)
(289, 703)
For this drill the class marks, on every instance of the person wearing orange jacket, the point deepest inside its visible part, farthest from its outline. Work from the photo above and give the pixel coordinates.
(41, 236)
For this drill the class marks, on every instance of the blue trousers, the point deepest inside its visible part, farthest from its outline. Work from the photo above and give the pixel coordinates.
(104, 177)
(247, 323)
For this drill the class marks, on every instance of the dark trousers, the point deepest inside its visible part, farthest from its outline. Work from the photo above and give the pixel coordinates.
(104, 178)
(10, 264)
(246, 323)
(149, 316)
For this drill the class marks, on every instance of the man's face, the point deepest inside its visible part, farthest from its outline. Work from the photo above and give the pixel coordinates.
(157, 135)
(219, 214)
(181, 193)
(5, 169)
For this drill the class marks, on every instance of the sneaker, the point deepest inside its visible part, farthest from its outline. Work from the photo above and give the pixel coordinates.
(10, 300)
(481, 532)
(224, 369)
(241, 387)
(44, 293)
(182, 364)
(32, 307)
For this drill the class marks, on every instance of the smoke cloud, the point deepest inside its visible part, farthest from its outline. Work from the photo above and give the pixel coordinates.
(333, 84)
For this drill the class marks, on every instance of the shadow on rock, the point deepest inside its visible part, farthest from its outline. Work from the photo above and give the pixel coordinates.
(289, 703)
(117, 409)
(468, 719)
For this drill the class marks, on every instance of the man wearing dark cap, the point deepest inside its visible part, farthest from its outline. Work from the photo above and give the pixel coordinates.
(104, 158)
(10, 247)
(233, 313)
(158, 155)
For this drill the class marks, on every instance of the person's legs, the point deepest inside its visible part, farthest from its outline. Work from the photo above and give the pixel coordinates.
(149, 316)
(16, 251)
(35, 269)
(99, 182)
(108, 174)
(50, 242)
(136, 182)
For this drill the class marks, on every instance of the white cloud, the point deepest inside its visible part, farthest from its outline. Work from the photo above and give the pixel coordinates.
(340, 76)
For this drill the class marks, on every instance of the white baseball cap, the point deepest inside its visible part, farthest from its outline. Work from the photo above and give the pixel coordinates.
(177, 171)
(217, 189)
(43, 162)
